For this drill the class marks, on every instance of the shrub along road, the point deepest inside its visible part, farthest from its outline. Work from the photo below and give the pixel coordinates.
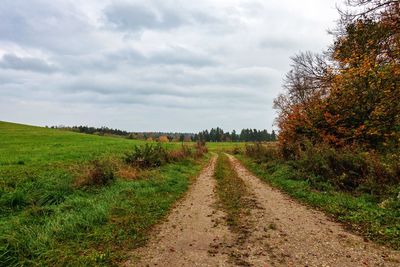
(270, 230)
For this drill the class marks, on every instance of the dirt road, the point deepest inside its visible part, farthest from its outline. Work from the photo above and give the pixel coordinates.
(279, 232)
(286, 233)
(192, 232)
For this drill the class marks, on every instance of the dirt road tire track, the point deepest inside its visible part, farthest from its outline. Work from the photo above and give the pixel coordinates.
(287, 233)
(191, 233)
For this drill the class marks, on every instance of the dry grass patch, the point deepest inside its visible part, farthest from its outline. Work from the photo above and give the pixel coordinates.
(96, 173)
(127, 172)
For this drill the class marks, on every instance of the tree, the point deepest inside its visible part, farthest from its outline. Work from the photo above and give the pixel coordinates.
(234, 136)
(351, 95)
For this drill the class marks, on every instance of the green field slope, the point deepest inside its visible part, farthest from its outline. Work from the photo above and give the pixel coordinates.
(47, 221)
(30, 145)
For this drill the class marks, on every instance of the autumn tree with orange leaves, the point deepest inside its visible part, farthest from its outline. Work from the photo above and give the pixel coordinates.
(350, 95)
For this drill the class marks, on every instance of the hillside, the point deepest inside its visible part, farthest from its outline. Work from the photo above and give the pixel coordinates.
(48, 216)
(28, 145)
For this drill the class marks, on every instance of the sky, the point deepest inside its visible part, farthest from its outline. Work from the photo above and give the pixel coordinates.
(150, 65)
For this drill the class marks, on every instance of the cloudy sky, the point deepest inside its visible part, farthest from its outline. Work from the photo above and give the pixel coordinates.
(150, 65)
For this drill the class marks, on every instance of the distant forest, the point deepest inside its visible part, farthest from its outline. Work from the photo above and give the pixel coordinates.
(246, 135)
(214, 135)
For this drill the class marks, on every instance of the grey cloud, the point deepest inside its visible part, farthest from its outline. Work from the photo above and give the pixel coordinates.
(204, 18)
(136, 87)
(10, 61)
(160, 16)
(279, 43)
(137, 17)
(146, 95)
(182, 56)
(160, 100)
(129, 58)
(50, 26)
(219, 75)
(132, 58)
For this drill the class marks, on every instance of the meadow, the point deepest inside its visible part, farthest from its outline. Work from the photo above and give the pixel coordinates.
(225, 146)
(45, 219)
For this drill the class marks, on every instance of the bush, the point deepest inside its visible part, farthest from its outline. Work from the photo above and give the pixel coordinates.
(348, 169)
(147, 156)
(186, 150)
(155, 155)
(201, 149)
(236, 150)
(261, 153)
(98, 173)
(383, 172)
(177, 155)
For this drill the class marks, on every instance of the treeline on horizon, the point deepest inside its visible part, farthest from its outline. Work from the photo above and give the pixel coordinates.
(130, 135)
(246, 135)
(214, 135)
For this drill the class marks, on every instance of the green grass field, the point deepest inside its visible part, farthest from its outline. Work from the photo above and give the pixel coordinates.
(46, 221)
(224, 146)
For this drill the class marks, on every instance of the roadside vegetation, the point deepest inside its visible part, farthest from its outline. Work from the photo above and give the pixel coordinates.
(235, 200)
(83, 200)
